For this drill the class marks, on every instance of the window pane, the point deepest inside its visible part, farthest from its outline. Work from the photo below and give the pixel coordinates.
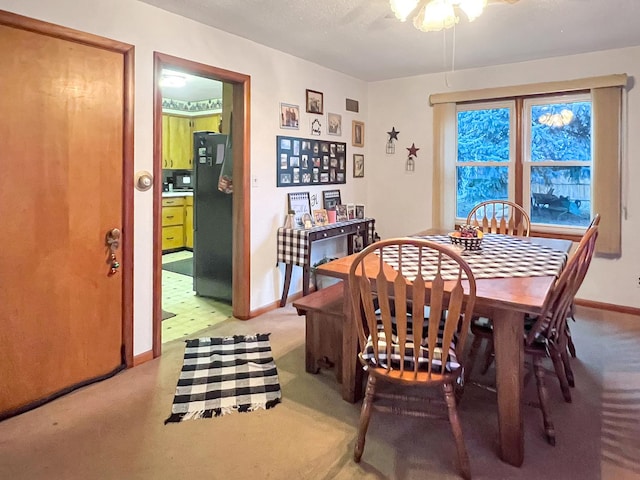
(561, 195)
(483, 135)
(561, 131)
(477, 184)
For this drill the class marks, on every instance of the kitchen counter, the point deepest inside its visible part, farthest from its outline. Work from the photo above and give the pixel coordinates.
(186, 193)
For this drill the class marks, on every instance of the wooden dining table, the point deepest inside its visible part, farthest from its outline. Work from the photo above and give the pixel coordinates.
(505, 301)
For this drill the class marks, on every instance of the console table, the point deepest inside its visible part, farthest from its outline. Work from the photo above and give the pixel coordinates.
(294, 246)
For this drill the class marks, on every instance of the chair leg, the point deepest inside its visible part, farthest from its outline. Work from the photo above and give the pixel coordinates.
(471, 359)
(365, 415)
(558, 366)
(543, 397)
(489, 355)
(463, 457)
(567, 368)
(570, 345)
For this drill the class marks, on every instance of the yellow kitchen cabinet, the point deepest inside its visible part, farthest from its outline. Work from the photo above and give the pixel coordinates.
(176, 142)
(188, 223)
(173, 223)
(209, 123)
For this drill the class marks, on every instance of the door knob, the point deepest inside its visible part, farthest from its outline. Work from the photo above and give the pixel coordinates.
(113, 242)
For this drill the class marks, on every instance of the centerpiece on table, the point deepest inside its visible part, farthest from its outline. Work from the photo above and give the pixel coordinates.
(468, 236)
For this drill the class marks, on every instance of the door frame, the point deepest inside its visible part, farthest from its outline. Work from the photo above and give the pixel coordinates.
(241, 128)
(127, 51)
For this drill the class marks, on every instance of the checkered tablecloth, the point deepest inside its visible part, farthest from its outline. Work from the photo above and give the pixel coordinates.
(294, 245)
(501, 256)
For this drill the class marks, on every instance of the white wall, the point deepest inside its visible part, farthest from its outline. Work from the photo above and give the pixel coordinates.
(402, 202)
(275, 77)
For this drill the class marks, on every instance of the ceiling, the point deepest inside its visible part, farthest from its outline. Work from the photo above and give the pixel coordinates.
(363, 39)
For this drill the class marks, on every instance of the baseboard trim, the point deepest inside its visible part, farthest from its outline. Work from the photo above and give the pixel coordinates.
(274, 305)
(607, 306)
(142, 358)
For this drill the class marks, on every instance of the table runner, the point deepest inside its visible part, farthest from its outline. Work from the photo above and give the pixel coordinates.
(501, 256)
(293, 243)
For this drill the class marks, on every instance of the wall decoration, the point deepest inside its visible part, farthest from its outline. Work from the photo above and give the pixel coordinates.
(410, 166)
(299, 203)
(316, 127)
(352, 105)
(331, 198)
(360, 211)
(358, 165)
(315, 102)
(193, 106)
(393, 135)
(289, 116)
(306, 161)
(357, 133)
(334, 124)
(413, 150)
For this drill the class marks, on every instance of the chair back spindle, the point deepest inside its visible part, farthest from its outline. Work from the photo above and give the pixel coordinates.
(500, 216)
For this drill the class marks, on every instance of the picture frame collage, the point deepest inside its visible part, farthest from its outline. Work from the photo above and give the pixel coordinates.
(305, 161)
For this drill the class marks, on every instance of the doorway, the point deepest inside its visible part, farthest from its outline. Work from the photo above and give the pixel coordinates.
(240, 129)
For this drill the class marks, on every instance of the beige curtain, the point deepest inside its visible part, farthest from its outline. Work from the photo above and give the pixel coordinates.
(606, 180)
(444, 144)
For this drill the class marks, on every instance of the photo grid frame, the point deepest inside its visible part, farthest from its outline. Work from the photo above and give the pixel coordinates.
(308, 161)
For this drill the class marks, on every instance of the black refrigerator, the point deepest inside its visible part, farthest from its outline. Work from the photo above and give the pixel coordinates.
(212, 216)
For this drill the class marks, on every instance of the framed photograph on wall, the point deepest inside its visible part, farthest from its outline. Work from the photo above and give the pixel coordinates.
(315, 102)
(289, 116)
(358, 165)
(357, 133)
(300, 203)
(334, 124)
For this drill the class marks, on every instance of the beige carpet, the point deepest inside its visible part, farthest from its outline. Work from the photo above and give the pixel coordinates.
(115, 430)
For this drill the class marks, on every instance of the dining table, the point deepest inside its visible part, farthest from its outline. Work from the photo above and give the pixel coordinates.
(514, 276)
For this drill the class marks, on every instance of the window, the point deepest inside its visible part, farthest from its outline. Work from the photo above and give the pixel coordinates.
(545, 167)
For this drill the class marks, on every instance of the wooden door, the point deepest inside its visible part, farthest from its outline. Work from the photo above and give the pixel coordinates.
(61, 191)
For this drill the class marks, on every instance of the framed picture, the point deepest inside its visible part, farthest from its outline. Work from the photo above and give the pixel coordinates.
(314, 102)
(358, 165)
(330, 198)
(341, 213)
(300, 161)
(360, 211)
(300, 203)
(357, 133)
(289, 116)
(351, 211)
(320, 217)
(334, 124)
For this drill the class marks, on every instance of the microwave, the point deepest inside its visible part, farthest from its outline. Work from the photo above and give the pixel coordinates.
(182, 181)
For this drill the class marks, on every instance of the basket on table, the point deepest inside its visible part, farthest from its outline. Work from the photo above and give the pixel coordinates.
(468, 243)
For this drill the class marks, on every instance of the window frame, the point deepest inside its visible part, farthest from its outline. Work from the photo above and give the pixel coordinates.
(519, 164)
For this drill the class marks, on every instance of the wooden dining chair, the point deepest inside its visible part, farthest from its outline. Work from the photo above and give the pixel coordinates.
(500, 216)
(391, 283)
(547, 335)
(571, 347)
(493, 216)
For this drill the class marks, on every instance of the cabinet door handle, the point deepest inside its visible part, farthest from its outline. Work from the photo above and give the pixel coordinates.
(169, 216)
(169, 238)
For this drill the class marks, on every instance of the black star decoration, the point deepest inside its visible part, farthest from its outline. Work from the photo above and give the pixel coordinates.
(413, 151)
(393, 134)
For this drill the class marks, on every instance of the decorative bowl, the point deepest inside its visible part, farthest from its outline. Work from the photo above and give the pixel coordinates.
(468, 243)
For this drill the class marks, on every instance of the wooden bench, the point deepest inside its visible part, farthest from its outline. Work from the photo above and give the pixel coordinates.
(324, 317)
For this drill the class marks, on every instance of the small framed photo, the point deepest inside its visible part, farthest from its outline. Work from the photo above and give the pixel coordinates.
(331, 198)
(357, 133)
(358, 165)
(334, 124)
(289, 116)
(360, 211)
(320, 217)
(341, 213)
(315, 102)
(300, 203)
(351, 211)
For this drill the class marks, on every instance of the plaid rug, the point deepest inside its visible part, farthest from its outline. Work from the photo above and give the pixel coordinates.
(220, 375)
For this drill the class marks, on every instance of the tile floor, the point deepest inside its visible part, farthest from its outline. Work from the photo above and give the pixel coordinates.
(193, 313)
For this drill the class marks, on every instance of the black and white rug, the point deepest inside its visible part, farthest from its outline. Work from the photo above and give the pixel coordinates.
(222, 375)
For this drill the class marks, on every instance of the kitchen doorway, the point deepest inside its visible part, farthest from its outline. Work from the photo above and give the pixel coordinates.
(238, 126)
